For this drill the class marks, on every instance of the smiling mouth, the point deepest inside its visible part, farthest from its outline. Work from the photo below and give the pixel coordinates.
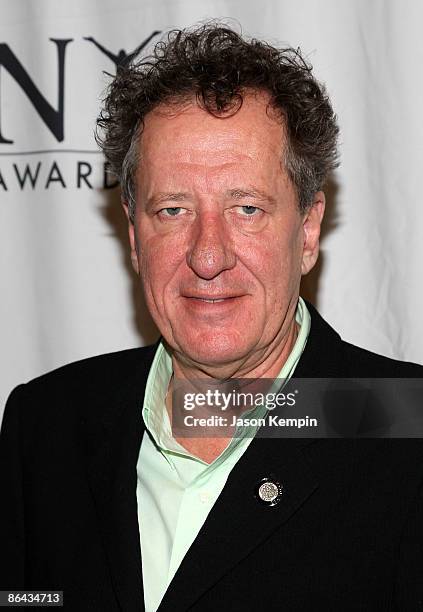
(208, 306)
(210, 300)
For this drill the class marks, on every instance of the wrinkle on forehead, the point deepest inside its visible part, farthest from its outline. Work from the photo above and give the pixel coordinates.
(206, 132)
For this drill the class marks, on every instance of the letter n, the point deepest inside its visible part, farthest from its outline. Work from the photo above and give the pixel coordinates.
(52, 117)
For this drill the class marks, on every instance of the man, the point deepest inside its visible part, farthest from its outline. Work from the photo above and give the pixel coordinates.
(222, 146)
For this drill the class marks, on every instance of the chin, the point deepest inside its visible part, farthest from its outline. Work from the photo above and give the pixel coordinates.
(214, 349)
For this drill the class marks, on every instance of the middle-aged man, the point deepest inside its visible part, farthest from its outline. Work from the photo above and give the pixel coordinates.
(222, 145)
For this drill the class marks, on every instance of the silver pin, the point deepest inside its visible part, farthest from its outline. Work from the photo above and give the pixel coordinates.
(269, 491)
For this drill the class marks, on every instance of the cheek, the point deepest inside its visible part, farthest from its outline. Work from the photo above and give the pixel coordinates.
(159, 260)
(273, 258)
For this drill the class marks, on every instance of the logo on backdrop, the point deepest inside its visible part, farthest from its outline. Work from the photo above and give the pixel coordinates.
(26, 171)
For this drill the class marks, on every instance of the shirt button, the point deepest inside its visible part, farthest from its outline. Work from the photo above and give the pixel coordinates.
(204, 497)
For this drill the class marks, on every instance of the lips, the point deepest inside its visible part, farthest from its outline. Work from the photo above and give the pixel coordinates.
(206, 305)
(211, 299)
(213, 310)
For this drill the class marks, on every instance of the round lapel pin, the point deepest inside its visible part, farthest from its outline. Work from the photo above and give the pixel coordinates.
(269, 491)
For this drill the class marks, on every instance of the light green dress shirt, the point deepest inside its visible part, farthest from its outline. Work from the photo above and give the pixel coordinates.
(175, 489)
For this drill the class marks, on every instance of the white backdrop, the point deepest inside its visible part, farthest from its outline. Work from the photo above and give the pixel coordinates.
(67, 291)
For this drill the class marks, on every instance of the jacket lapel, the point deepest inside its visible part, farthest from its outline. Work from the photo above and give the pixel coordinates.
(238, 522)
(114, 445)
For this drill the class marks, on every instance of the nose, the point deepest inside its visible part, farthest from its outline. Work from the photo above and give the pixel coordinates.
(211, 251)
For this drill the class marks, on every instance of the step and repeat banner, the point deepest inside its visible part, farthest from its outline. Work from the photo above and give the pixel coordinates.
(67, 288)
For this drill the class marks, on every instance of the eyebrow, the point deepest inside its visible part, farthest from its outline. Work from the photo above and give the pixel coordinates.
(239, 194)
(166, 197)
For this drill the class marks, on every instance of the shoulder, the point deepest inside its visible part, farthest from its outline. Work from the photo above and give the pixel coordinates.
(328, 355)
(84, 386)
(104, 369)
(361, 362)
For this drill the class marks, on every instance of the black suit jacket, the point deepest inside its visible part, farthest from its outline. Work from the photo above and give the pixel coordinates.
(347, 534)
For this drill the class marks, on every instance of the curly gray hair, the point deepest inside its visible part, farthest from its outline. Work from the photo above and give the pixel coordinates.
(217, 65)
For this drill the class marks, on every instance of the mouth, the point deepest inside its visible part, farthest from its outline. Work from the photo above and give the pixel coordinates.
(211, 300)
(213, 309)
(211, 303)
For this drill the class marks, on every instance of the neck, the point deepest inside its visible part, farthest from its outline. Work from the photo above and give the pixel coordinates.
(265, 364)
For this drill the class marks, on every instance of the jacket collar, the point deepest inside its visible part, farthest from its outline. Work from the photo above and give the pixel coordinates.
(323, 354)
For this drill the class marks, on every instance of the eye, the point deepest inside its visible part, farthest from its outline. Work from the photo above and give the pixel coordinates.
(249, 211)
(171, 211)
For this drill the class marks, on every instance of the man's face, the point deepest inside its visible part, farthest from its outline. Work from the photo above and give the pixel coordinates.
(218, 240)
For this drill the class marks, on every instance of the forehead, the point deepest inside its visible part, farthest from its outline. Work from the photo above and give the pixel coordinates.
(188, 134)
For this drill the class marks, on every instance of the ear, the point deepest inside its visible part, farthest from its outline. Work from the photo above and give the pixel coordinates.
(311, 228)
(132, 238)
